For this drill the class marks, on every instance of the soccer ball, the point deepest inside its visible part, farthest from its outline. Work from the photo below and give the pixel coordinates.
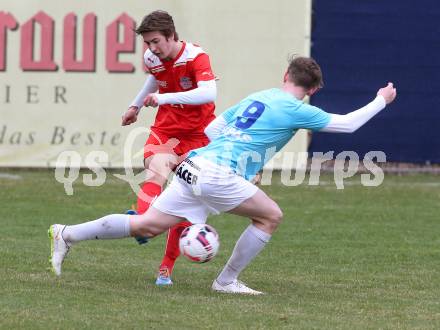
(199, 243)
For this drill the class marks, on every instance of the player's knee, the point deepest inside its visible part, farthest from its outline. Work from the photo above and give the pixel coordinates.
(143, 228)
(273, 219)
(276, 216)
(146, 232)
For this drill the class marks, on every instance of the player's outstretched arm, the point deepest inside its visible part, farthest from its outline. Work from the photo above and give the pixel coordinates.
(352, 121)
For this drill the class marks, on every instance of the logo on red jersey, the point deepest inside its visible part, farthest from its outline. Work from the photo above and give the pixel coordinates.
(186, 83)
(162, 83)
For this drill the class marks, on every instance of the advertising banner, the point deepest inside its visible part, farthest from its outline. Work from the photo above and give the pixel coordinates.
(70, 69)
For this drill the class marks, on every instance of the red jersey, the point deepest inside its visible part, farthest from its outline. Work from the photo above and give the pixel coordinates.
(181, 74)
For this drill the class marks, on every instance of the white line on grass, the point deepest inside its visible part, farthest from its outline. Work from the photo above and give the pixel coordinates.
(10, 176)
(396, 184)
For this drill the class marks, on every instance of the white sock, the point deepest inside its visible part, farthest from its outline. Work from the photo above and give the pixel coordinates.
(110, 226)
(248, 246)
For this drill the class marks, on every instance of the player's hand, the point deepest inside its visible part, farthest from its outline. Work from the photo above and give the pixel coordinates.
(130, 116)
(389, 93)
(257, 179)
(151, 100)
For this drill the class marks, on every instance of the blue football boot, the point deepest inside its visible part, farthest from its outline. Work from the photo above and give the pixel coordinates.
(164, 278)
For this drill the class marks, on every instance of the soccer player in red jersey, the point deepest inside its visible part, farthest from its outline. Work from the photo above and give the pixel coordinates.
(182, 84)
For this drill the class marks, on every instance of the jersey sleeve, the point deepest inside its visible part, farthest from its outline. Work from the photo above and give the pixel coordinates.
(147, 60)
(350, 122)
(310, 117)
(151, 62)
(202, 68)
(150, 86)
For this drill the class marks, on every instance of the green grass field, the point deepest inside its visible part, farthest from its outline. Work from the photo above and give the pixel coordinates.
(358, 258)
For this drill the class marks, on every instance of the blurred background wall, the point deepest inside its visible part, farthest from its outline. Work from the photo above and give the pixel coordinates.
(362, 45)
(49, 104)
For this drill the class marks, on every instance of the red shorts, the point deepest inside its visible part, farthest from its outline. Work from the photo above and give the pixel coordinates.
(162, 143)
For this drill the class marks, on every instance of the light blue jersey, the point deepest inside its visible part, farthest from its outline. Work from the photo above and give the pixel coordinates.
(258, 127)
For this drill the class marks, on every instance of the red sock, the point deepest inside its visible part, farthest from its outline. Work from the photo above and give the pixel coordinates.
(172, 249)
(146, 195)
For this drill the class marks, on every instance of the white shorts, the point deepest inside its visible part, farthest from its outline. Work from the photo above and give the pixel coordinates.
(200, 188)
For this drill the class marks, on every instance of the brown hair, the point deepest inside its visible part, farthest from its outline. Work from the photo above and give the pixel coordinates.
(305, 72)
(160, 21)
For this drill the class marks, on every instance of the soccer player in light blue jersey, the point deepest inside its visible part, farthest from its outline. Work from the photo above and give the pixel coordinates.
(215, 178)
